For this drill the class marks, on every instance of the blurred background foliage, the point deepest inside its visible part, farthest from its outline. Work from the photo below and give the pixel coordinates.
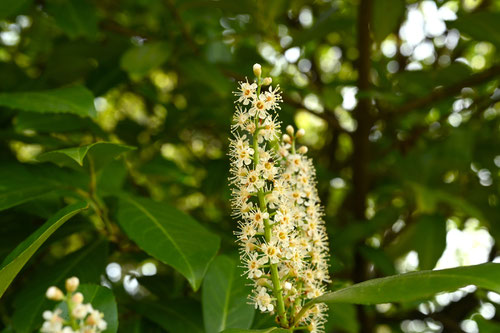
(399, 100)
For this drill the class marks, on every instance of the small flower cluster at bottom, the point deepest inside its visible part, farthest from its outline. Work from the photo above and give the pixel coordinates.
(81, 317)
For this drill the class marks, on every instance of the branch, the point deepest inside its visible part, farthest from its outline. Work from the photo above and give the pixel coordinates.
(441, 93)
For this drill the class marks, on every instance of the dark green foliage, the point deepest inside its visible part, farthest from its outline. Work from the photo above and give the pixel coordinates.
(124, 108)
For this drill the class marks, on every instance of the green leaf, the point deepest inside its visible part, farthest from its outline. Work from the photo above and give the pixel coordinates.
(379, 258)
(427, 236)
(103, 300)
(101, 153)
(387, 14)
(77, 18)
(88, 264)
(12, 7)
(481, 25)
(182, 316)
(267, 330)
(57, 122)
(18, 185)
(140, 60)
(430, 240)
(225, 297)
(15, 261)
(169, 235)
(76, 99)
(416, 285)
(342, 317)
(486, 326)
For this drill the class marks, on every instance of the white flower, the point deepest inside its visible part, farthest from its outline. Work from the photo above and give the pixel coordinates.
(269, 129)
(246, 92)
(80, 311)
(240, 119)
(95, 319)
(257, 217)
(272, 98)
(272, 252)
(253, 264)
(53, 322)
(259, 107)
(263, 301)
(253, 181)
(281, 232)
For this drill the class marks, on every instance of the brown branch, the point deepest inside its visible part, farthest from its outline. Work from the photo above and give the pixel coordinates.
(441, 93)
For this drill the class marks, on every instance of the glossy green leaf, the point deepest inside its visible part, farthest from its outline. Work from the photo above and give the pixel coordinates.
(103, 300)
(225, 297)
(101, 154)
(140, 60)
(19, 185)
(88, 264)
(77, 18)
(49, 123)
(178, 316)
(416, 285)
(16, 260)
(387, 14)
(169, 235)
(76, 99)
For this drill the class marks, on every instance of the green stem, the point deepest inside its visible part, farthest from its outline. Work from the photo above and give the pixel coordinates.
(302, 312)
(72, 320)
(267, 231)
(99, 207)
(277, 291)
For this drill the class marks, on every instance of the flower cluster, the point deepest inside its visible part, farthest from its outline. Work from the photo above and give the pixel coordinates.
(82, 318)
(283, 241)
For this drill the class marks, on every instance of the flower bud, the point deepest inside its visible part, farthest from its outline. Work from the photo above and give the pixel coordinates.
(54, 294)
(72, 284)
(262, 282)
(300, 133)
(267, 81)
(288, 286)
(77, 298)
(286, 138)
(290, 130)
(257, 70)
(302, 150)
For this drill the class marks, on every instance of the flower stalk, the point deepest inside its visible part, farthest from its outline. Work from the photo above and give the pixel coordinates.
(283, 242)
